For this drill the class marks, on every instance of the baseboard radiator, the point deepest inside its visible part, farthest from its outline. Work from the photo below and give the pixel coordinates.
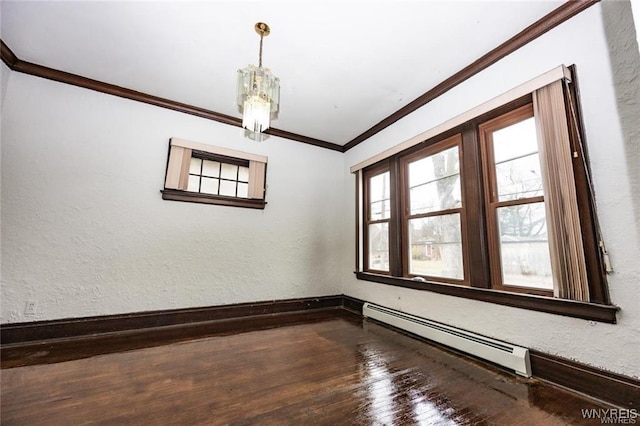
(501, 353)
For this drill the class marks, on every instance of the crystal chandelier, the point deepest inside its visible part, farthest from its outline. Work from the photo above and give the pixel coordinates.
(258, 94)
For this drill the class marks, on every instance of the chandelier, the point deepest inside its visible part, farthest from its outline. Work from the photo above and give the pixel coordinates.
(258, 94)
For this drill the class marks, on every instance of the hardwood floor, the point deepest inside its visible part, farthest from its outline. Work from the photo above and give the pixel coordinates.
(330, 368)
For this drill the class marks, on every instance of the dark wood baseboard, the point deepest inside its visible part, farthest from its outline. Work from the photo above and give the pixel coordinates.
(352, 304)
(53, 351)
(615, 389)
(67, 339)
(610, 387)
(87, 326)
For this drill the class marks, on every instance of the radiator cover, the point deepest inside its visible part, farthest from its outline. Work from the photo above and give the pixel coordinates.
(505, 354)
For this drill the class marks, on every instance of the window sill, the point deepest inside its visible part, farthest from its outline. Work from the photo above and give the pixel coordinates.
(193, 197)
(570, 308)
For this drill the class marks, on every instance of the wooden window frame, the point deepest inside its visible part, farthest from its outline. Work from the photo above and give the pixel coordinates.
(485, 131)
(366, 220)
(474, 191)
(177, 173)
(405, 161)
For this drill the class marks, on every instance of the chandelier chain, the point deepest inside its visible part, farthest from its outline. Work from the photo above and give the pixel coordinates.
(260, 54)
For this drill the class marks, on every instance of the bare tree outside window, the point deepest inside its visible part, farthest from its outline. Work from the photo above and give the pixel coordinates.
(434, 221)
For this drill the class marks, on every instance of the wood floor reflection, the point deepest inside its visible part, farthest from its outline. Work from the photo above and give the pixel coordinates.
(335, 369)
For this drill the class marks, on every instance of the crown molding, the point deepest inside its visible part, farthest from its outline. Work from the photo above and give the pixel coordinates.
(7, 56)
(561, 14)
(16, 64)
(533, 31)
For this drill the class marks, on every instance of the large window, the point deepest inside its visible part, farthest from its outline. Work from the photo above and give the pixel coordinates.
(496, 209)
(433, 209)
(516, 219)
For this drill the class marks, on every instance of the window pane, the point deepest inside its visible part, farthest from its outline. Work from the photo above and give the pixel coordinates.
(210, 168)
(380, 210)
(227, 188)
(515, 141)
(243, 174)
(439, 195)
(435, 245)
(519, 178)
(434, 167)
(194, 166)
(434, 182)
(379, 197)
(524, 248)
(194, 184)
(243, 190)
(229, 171)
(379, 187)
(209, 186)
(379, 246)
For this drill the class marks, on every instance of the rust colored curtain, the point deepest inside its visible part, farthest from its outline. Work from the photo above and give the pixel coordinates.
(563, 221)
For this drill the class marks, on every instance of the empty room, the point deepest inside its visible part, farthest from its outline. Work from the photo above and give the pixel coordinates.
(290, 213)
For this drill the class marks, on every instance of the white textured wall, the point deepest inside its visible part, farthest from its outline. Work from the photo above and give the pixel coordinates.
(635, 9)
(85, 231)
(615, 162)
(5, 72)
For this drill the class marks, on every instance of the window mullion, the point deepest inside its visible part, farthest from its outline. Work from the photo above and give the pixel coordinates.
(237, 178)
(517, 202)
(219, 176)
(200, 177)
(373, 222)
(433, 213)
(395, 226)
(477, 249)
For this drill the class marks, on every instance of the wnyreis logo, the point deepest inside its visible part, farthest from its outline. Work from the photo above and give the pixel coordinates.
(611, 415)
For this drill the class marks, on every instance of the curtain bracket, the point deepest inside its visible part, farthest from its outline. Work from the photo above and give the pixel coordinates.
(605, 257)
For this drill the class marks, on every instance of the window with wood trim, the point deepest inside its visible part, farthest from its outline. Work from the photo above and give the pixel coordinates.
(501, 202)
(515, 205)
(211, 175)
(377, 188)
(433, 213)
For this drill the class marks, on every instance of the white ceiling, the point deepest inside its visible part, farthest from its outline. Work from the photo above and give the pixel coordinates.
(343, 66)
